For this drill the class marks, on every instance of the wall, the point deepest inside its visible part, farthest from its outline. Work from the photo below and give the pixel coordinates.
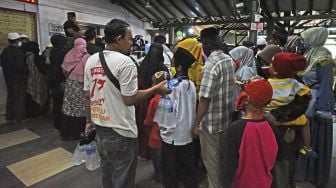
(331, 45)
(96, 12)
(54, 11)
(16, 5)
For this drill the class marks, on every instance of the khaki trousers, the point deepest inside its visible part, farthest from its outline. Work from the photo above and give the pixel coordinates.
(210, 151)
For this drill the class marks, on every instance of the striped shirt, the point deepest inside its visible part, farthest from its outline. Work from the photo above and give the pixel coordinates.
(284, 91)
(218, 84)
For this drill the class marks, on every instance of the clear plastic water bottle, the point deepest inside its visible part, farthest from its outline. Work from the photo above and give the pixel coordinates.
(92, 161)
(168, 105)
(174, 82)
(160, 106)
(79, 154)
(169, 117)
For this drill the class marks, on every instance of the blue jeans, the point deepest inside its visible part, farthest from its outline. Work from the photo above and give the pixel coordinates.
(118, 158)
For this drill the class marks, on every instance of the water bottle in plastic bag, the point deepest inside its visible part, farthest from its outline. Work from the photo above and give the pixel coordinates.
(92, 160)
(78, 157)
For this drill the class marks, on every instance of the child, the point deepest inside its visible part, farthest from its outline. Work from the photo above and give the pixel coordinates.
(175, 116)
(285, 89)
(250, 146)
(154, 142)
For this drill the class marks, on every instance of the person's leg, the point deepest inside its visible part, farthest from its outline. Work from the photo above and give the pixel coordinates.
(118, 158)
(210, 151)
(10, 108)
(20, 100)
(186, 165)
(322, 139)
(143, 151)
(169, 166)
(157, 163)
(57, 94)
(306, 136)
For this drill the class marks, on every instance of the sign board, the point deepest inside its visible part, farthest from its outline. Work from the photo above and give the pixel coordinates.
(29, 1)
(257, 26)
(55, 29)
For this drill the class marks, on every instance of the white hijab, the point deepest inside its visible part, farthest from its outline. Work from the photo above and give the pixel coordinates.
(247, 65)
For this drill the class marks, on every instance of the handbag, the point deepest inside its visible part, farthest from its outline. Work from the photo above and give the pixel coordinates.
(108, 72)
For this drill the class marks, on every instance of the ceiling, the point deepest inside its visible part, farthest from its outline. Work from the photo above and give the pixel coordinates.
(165, 13)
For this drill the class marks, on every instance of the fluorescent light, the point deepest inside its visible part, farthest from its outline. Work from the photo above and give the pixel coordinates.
(190, 30)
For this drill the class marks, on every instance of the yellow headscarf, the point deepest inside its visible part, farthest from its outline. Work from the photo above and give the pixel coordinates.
(195, 70)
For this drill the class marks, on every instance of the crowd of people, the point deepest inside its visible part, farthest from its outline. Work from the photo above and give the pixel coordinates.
(253, 115)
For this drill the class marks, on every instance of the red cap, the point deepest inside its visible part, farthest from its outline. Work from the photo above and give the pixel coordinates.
(287, 64)
(259, 92)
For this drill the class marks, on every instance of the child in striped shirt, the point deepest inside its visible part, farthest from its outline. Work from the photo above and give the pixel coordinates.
(285, 89)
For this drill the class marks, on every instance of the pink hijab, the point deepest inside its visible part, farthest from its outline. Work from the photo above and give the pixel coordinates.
(76, 57)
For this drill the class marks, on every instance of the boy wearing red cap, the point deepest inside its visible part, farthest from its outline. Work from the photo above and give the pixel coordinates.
(251, 144)
(285, 88)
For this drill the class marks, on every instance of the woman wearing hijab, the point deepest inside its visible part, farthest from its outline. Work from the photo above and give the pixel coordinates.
(152, 63)
(295, 44)
(245, 63)
(319, 77)
(37, 88)
(244, 60)
(73, 103)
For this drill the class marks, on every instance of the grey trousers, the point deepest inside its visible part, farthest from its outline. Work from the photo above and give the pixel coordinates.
(118, 158)
(210, 151)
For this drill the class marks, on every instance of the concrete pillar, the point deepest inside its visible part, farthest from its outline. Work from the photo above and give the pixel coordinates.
(253, 34)
(171, 35)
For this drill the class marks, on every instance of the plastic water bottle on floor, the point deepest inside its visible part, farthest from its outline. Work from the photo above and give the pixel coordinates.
(92, 160)
(79, 154)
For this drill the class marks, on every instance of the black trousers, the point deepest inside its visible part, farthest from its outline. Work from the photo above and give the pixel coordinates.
(15, 105)
(178, 165)
(57, 95)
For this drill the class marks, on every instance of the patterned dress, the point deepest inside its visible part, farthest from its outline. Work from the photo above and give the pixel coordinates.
(73, 102)
(73, 110)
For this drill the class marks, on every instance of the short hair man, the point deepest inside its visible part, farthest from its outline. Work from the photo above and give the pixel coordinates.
(112, 110)
(215, 105)
(90, 37)
(71, 27)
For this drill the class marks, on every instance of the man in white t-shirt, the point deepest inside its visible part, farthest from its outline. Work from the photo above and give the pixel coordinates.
(111, 108)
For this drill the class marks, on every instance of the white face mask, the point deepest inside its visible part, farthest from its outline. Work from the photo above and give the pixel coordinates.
(19, 44)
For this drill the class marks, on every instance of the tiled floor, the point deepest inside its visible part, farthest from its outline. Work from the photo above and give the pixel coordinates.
(76, 176)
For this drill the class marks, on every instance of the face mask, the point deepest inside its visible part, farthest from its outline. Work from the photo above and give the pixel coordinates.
(19, 44)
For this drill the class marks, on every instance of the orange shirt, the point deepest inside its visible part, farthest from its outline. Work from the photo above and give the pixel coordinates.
(154, 135)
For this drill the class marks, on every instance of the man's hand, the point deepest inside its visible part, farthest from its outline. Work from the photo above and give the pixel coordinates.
(195, 131)
(88, 126)
(162, 89)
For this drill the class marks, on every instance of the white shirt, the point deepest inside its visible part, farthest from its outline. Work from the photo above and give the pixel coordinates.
(178, 130)
(107, 106)
(167, 57)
